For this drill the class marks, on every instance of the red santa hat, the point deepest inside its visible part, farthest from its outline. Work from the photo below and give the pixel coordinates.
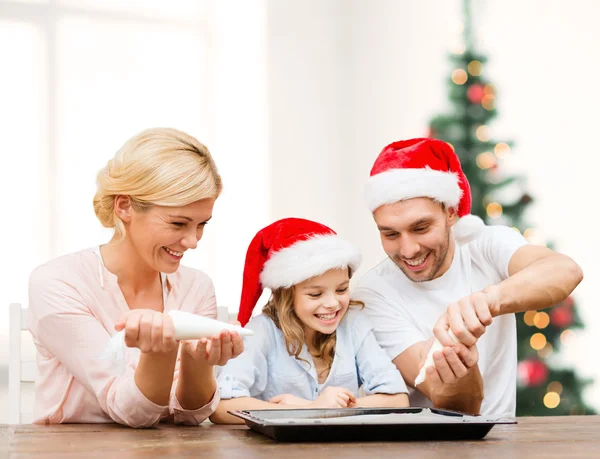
(423, 168)
(288, 252)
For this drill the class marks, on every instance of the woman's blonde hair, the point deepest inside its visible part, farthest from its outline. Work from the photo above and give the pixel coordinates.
(158, 166)
(280, 309)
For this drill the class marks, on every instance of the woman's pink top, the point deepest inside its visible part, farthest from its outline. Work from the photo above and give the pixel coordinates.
(74, 303)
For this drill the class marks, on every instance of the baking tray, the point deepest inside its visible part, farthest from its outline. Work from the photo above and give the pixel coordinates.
(368, 424)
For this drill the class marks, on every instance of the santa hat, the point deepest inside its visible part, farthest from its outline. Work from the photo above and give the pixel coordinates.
(288, 252)
(423, 168)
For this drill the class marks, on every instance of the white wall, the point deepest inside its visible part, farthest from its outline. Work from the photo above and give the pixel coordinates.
(348, 77)
(307, 87)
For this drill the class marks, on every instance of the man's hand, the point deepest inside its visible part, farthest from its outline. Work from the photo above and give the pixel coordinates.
(451, 364)
(467, 318)
(455, 382)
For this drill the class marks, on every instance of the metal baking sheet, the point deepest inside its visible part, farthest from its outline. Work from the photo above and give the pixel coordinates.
(368, 424)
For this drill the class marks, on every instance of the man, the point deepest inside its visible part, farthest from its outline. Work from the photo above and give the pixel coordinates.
(447, 271)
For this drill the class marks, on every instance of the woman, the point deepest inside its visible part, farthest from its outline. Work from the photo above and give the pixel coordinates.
(158, 194)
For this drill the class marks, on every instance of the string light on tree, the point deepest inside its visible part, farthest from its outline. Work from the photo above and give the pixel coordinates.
(488, 102)
(541, 320)
(551, 400)
(567, 337)
(483, 133)
(529, 317)
(459, 77)
(537, 341)
(555, 386)
(494, 210)
(486, 160)
(501, 149)
(475, 68)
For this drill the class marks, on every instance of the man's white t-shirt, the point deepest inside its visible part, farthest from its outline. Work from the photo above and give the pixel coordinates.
(404, 312)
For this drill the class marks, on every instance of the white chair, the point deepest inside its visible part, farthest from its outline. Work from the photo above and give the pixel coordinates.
(224, 315)
(19, 371)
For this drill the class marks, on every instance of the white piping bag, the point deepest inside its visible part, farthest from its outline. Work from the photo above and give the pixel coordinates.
(436, 346)
(187, 326)
(192, 326)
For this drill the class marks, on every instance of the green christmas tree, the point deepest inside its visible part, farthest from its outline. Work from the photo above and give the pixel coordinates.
(542, 389)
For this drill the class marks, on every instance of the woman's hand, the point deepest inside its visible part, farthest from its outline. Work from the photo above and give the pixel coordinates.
(289, 399)
(217, 350)
(152, 332)
(334, 397)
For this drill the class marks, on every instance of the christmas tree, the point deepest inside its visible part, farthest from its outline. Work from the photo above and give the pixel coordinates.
(543, 390)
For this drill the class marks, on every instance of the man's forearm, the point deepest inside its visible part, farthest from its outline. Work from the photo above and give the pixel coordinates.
(544, 283)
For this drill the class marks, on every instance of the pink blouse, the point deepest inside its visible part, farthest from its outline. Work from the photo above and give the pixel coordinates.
(74, 303)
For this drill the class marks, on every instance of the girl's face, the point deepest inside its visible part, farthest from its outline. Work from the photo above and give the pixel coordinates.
(161, 235)
(321, 302)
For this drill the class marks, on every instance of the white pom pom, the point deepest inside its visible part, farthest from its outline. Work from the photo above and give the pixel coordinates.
(467, 228)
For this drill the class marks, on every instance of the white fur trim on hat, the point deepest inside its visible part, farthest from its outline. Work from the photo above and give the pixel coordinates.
(308, 258)
(467, 228)
(398, 184)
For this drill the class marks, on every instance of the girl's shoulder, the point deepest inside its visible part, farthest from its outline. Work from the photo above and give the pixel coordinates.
(356, 317)
(264, 328)
(357, 325)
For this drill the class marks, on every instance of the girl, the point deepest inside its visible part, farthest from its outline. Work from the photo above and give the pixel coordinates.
(310, 349)
(158, 194)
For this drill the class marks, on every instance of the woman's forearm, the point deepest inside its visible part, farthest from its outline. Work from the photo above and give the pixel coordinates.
(154, 376)
(196, 385)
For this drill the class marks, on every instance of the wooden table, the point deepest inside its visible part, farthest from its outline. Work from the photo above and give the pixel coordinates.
(550, 437)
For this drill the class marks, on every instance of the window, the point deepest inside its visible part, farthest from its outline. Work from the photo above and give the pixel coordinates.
(79, 77)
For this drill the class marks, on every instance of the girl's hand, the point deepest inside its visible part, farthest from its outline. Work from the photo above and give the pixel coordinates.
(288, 399)
(152, 332)
(217, 350)
(334, 397)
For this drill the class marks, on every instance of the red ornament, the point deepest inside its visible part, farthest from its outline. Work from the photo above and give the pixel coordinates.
(532, 372)
(568, 301)
(475, 93)
(561, 316)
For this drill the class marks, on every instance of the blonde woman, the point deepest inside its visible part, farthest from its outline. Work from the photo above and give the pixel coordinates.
(158, 194)
(312, 348)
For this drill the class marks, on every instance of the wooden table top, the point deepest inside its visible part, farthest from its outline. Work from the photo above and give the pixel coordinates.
(547, 437)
